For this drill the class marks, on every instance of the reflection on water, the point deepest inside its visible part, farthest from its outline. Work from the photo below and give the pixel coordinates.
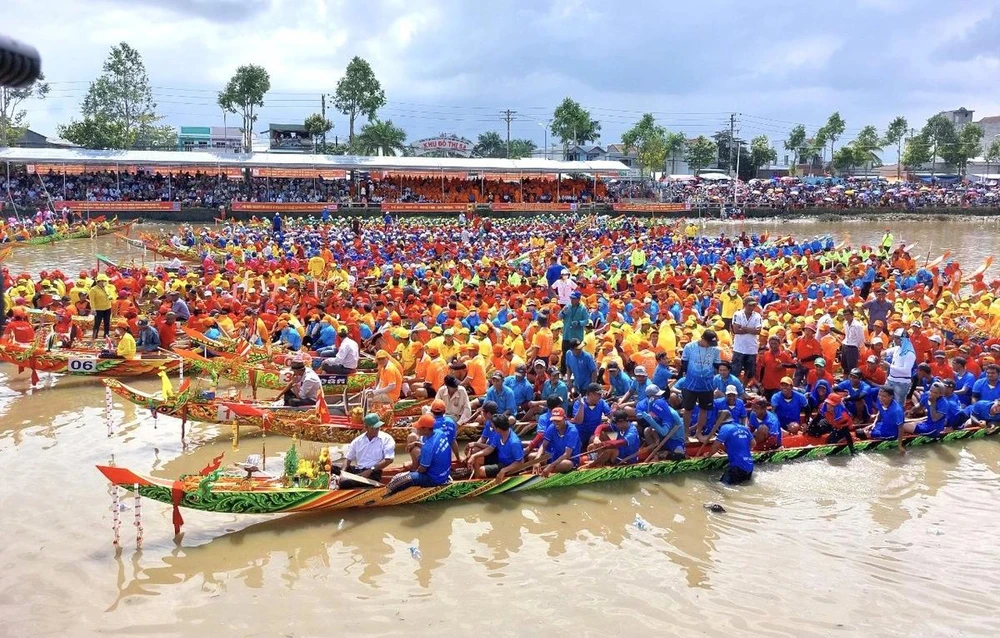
(873, 545)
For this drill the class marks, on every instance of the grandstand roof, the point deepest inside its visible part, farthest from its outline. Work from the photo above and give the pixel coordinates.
(348, 162)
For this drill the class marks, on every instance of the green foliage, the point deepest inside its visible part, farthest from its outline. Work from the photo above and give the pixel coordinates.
(700, 153)
(795, 142)
(649, 141)
(917, 152)
(14, 120)
(520, 148)
(573, 125)
(118, 110)
(894, 135)
(243, 95)
(490, 144)
(379, 137)
(761, 153)
(968, 144)
(291, 462)
(993, 151)
(845, 158)
(317, 126)
(358, 93)
(866, 147)
(831, 131)
(675, 143)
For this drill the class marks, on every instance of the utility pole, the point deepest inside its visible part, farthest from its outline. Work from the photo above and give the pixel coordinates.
(732, 135)
(322, 102)
(508, 115)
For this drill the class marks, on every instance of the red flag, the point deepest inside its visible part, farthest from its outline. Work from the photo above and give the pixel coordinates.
(242, 409)
(321, 410)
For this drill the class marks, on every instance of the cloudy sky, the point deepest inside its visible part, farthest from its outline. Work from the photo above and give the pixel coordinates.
(453, 65)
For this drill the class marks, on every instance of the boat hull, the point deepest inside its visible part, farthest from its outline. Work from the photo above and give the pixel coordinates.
(82, 362)
(257, 496)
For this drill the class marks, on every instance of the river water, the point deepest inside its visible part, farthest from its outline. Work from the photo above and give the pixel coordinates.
(877, 545)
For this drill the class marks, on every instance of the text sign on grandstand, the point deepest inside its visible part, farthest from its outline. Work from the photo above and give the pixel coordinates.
(421, 207)
(117, 206)
(283, 207)
(626, 207)
(533, 208)
(450, 144)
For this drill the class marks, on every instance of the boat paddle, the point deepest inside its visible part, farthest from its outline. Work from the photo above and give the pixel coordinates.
(652, 454)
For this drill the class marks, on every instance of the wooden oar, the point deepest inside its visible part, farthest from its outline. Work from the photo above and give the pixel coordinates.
(652, 454)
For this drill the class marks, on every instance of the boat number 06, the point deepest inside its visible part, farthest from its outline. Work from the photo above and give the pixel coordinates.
(82, 365)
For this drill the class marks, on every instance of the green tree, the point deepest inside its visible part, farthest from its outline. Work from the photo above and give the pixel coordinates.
(761, 153)
(940, 133)
(992, 153)
(14, 120)
(832, 130)
(243, 95)
(917, 152)
(380, 137)
(358, 93)
(649, 141)
(521, 148)
(675, 143)
(572, 123)
(118, 110)
(701, 151)
(795, 143)
(317, 126)
(967, 145)
(490, 144)
(866, 147)
(845, 158)
(894, 135)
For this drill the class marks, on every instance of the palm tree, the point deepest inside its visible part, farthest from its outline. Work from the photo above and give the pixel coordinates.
(380, 137)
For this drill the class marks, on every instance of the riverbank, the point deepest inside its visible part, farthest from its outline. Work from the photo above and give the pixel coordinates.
(209, 215)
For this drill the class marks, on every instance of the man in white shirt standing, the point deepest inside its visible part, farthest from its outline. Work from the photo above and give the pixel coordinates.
(564, 287)
(901, 358)
(854, 338)
(346, 359)
(746, 331)
(369, 453)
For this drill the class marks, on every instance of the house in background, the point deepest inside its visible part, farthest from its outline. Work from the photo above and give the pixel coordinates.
(209, 138)
(32, 139)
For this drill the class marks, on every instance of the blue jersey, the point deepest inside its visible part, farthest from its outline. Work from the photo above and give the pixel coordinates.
(591, 417)
(738, 411)
(447, 425)
(556, 444)
(981, 411)
(719, 384)
(963, 387)
(934, 426)
(888, 422)
(983, 392)
(558, 389)
(505, 400)
(620, 383)
(631, 437)
(738, 441)
(583, 368)
(523, 391)
(701, 362)
(661, 376)
(770, 420)
(509, 451)
(436, 457)
(789, 410)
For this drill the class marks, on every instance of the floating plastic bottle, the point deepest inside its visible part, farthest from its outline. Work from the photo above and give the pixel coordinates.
(640, 523)
(415, 552)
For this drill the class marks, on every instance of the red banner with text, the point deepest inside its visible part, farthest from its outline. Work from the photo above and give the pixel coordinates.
(649, 208)
(538, 207)
(112, 207)
(283, 207)
(423, 207)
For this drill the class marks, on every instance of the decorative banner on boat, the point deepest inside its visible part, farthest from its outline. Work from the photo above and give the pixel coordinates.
(421, 207)
(649, 208)
(284, 207)
(533, 208)
(443, 145)
(116, 206)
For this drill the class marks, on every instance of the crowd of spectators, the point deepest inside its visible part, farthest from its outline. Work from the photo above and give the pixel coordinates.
(211, 190)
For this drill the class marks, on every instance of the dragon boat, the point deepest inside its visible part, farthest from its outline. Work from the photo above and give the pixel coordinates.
(259, 375)
(81, 361)
(77, 233)
(251, 353)
(308, 490)
(310, 424)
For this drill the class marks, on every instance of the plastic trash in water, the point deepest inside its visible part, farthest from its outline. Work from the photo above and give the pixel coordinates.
(415, 552)
(640, 523)
(635, 502)
(340, 525)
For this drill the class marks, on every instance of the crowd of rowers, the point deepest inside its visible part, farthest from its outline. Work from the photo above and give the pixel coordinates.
(595, 343)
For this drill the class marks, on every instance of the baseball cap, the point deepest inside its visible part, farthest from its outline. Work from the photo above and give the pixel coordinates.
(640, 371)
(731, 389)
(373, 421)
(785, 380)
(425, 421)
(872, 359)
(558, 414)
(821, 362)
(437, 405)
(654, 391)
(575, 294)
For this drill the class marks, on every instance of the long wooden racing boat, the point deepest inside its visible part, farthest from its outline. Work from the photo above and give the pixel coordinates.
(214, 492)
(76, 233)
(258, 375)
(251, 353)
(81, 361)
(310, 424)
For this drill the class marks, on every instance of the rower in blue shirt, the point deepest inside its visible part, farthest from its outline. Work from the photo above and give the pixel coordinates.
(501, 395)
(788, 404)
(724, 379)
(581, 365)
(588, 412)
(560, 451)
(988, 387)
(736, 440)
(523, 391)
(616, 442)
(857, 393)
(764, 425)
(618, 380)
(508, 449)
(888, 418)
(662, 420)
(433, 465)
